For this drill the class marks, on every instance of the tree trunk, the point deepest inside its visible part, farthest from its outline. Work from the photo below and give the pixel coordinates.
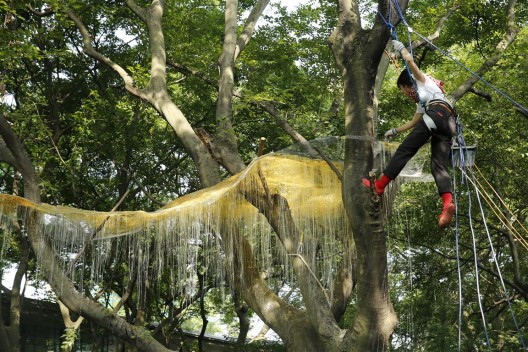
(358, 54)
(375, 318)
(10, 337)
(291, 324)
(241, 310)
(226, 140)
(16, 295)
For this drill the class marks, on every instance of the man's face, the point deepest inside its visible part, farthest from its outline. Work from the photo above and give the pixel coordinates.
(408, 91)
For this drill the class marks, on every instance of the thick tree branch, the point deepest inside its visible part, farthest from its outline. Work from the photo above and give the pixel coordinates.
(68, 322)
(344, 285)
(480, 93)
(271, 308)
(269, 107)
(226, 145)
(5, 154)
(62, 285)
(22, 161)
(17, 293)
(508, 38)
(249, 26)
(294, 134)
(156, 92)
(139, 11)
(275, 208)
(190, 71)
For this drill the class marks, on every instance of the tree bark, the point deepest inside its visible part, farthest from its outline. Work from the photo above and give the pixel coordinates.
(14, 153)
(16, 295)
(225, 146)
(291, 324)
(358, 53)
(318, 310)
(226, 141)
(72, 326)
(241, 310)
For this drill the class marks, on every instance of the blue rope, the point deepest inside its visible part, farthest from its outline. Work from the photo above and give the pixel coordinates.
(394, 35)
(459, 271)
(475, 258)
(463, 165)
(462, 162)
(400, 12)
(462, 148)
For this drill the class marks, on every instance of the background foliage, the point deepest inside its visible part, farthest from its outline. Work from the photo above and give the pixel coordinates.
(92, 142)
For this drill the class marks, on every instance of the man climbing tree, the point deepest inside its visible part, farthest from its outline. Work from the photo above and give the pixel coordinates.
(434, 119)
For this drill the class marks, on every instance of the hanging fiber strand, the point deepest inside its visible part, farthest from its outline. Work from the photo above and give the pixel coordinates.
(204, 229)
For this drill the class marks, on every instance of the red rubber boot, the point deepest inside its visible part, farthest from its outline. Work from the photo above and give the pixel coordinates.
(447, 212)
(379, 185)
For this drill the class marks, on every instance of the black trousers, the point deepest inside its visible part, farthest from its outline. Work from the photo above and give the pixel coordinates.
(441, 141)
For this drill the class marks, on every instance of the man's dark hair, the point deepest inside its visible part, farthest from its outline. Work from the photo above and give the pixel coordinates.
(404, 79)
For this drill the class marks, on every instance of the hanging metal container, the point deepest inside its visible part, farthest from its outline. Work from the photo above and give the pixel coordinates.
(463, 156)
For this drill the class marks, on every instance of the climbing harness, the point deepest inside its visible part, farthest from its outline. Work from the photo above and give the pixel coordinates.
(429, 122)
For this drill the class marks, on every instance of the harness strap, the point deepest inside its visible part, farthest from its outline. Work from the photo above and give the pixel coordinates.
(441, 102)
(429, 122)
